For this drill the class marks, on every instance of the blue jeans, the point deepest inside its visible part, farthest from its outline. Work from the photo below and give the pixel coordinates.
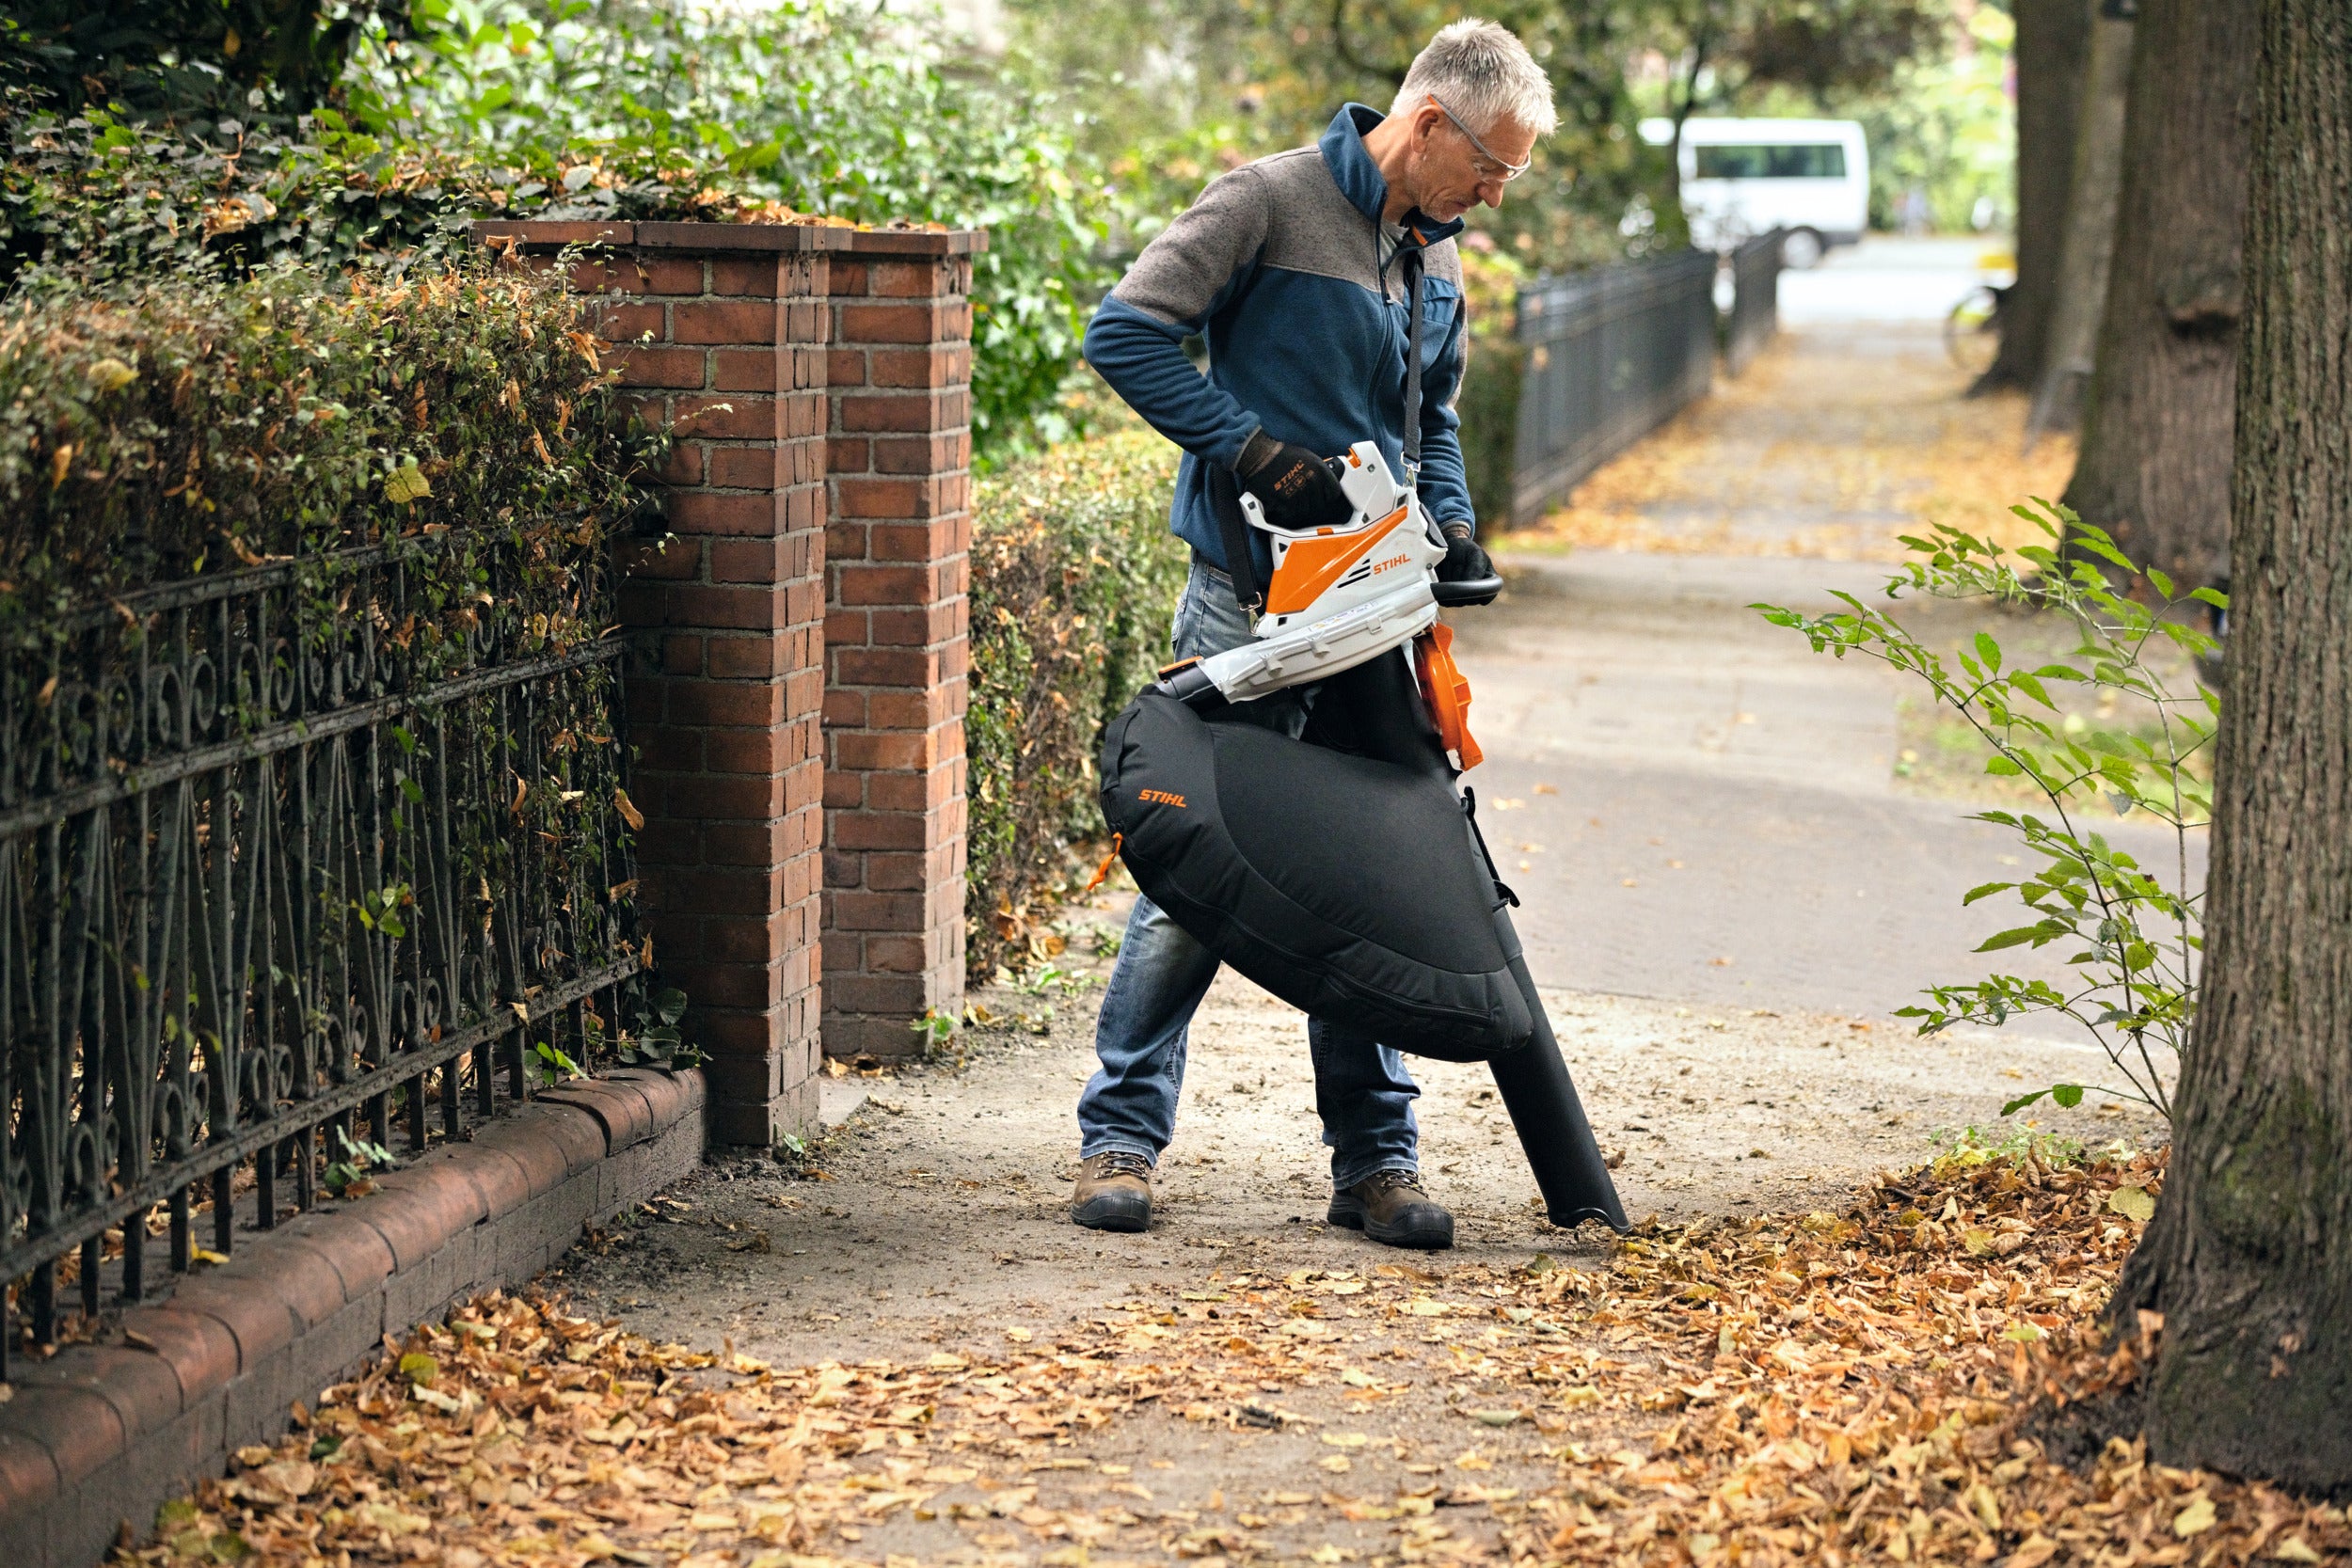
(1363, 1091)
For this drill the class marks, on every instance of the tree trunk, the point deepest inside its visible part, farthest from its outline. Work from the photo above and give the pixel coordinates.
(2249, 1259)
(2053, 41)
(2088, 243)
(2154, 469)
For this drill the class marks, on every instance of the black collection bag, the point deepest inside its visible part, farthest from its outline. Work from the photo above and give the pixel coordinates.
(1342, 873)
(1349, 887)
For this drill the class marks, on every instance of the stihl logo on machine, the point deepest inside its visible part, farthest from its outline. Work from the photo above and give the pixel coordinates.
(1386, 564)
(1162, 796)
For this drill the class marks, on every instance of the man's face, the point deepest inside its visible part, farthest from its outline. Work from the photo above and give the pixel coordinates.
(1451, 174)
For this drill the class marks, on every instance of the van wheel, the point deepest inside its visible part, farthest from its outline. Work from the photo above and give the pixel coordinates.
(1800, 248)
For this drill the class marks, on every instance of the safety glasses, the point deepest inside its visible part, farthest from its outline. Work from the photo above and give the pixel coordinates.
(1488, 165)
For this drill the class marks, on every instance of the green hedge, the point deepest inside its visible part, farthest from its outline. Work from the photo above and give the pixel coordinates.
(193, 426)
(1489, 400)
(1074, 580)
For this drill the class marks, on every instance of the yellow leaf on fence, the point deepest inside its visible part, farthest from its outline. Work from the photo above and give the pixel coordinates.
(406, 485)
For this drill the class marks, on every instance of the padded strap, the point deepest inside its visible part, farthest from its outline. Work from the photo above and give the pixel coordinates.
(1412, 263)
(1241, 561)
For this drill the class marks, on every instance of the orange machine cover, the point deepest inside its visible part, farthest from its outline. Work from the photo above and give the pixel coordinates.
(1447, 692)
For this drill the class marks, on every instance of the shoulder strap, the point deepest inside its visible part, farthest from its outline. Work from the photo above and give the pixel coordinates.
(1412, 264)
(1241, 559)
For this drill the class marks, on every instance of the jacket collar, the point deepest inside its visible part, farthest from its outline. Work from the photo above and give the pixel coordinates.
(1359, 178)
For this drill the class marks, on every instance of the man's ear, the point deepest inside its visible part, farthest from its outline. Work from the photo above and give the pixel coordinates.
(1426, 118)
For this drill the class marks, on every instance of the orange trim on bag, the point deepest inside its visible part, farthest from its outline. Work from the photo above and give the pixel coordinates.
(1314, 564)
(1103, 872)
(1447, 691)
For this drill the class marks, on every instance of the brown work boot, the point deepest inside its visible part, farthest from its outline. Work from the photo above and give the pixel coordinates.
(1114, 1191)
(1389, 1207)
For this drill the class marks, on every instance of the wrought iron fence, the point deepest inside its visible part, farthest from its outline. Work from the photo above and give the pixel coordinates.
(1755, 300)
(1611, 354)
(288, 855)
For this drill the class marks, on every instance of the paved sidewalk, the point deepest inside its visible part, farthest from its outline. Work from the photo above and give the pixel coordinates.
(1726, 826)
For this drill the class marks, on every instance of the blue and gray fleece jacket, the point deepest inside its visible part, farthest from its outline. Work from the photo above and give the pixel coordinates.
(1281, 267)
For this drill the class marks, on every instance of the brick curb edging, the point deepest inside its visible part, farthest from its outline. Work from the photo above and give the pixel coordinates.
(104, 1433)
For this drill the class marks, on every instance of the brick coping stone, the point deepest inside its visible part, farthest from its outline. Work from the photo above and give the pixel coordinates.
(97, 1436)
(761, 238)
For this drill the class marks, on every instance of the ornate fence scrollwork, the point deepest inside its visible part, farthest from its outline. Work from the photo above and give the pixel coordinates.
(290, 857)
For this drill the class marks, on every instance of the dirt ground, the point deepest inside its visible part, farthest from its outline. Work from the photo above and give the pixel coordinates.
(940, 1223)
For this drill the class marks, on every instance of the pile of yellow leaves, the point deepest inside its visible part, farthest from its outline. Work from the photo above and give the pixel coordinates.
(1817, 453)
(1878, 1383)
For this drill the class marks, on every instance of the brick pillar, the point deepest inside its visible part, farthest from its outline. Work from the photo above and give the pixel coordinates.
(725, 327)
(897, 543)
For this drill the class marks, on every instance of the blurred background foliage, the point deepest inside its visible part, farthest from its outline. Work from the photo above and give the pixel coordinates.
(234, 134)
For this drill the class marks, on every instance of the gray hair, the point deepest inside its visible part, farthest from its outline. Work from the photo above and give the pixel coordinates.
(1483, 73)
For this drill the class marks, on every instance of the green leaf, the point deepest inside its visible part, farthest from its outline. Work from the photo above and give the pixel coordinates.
(2022, 1102)
(1985, 892)
(419, 1369)
(2068, 1095)
(1988, 651)
(2032, 688)
(2002, 767)
(2212, 596)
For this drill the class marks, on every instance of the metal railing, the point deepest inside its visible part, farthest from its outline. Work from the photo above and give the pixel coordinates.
(286, 854)
(1611, 354)
(1755, 300)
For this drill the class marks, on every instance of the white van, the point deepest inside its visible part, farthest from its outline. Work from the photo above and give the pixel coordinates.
(1746, 177)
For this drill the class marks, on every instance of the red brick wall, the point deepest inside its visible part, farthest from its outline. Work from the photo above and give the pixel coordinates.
(798, 716)
(720, 329)
(897, 542)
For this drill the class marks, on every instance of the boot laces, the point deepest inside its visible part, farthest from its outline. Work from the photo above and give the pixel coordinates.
(1124, 1162)
(1390, 1181)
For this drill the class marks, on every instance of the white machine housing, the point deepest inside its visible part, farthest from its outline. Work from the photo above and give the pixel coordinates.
(1343, 595)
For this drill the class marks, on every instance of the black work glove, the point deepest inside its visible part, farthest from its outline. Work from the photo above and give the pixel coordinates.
(1463, 561)
(1294, 486)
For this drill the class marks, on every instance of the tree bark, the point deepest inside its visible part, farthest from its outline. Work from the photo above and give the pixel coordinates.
(2088, 243)
(2052, 42)
(2249, 1259)
(2154, 469)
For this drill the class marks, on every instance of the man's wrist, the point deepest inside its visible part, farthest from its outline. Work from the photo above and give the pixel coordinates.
(1457, 530)
(1256, 453)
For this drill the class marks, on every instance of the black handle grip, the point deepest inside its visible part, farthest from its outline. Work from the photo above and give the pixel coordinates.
(1468, 590)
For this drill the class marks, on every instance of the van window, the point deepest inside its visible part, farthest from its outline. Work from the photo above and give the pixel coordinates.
(1804, 161)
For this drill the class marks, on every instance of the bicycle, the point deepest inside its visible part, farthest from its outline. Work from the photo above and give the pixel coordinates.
(1971, 332)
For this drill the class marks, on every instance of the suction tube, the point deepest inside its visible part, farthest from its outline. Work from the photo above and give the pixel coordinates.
(1548, 1116)
(1375, 709)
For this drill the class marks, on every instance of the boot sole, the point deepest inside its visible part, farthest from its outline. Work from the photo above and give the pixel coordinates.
(1427, 1234)
(1113, 1213)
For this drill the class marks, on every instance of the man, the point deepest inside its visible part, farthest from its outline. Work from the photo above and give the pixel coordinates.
(1292, 269)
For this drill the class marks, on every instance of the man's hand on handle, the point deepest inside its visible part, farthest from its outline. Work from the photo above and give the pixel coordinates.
(1465, 561)
(1293, 484)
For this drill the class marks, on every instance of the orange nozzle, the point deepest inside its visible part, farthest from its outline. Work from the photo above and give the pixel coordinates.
(1447, 692)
